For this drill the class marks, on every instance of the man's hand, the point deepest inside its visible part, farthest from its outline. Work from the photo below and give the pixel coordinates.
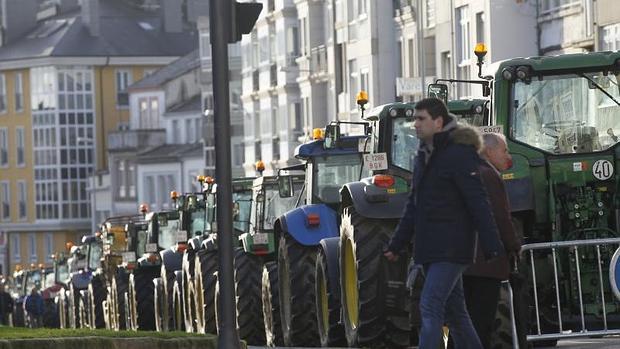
(390, 256)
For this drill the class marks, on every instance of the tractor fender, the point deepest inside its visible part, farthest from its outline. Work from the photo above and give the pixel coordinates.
(194, 243)
(172, 260)
(373, 202)
(210, 243)
(519, 185)
(81, 279)
(295, 224)
(331, 248)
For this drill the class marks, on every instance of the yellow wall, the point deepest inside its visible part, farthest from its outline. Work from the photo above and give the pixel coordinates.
(108, 114)
(60, 238)
(11, 120)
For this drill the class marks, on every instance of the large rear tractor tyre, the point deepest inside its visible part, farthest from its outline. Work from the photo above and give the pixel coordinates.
(120, 284)
(189, 302)
(167, 278)
(72, 308)
(83, 309)
(177, 305)
(371, 318)
(331, 331)
(296, 265)
(205, 280)
(271, 305)
(61, 307)
(248, 288)
(141, 288)
(97, 292)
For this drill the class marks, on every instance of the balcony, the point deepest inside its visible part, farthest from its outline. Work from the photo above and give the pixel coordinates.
(318, 60)
(135, 139)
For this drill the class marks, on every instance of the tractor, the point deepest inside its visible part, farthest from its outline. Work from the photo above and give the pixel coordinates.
(330, 161)
(201, 271)
(61, 278)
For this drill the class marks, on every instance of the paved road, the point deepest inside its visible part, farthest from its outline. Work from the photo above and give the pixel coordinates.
(589, 343)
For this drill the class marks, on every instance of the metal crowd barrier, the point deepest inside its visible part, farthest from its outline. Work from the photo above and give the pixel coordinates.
(574, 245)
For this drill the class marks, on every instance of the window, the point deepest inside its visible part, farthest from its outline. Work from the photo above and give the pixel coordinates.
(131, 181)
(302, 36)
(19, 138)
(189, 132)
(16, 248)
(49, 247)
(154, 112)
(122, 179)
(410, 58)
(2, 93)
(5, 196)
(19, 93)
(430, 13)
(123, 80)
(610, 37)
(446, 65)
(23, 199)
(463, 50)
(4, 147)
(292, 43)
(175, 132)
(480, 27)
(149, 194)
(364, 80)
(556, 5)
(353, 81)
(33, 248)
(362, 7)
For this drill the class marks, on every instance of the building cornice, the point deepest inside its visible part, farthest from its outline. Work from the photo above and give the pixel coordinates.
(95, 61)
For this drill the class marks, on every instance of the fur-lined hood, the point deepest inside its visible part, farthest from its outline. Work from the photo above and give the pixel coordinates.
(467, 135)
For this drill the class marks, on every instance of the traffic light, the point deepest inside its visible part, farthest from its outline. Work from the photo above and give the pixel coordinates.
(244, 16)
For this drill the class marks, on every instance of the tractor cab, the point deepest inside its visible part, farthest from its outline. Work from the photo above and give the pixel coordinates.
(162, 230)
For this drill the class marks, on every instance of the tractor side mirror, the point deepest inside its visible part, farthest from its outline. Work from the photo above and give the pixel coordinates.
(285, 186)
(332, 136)
(439, 91)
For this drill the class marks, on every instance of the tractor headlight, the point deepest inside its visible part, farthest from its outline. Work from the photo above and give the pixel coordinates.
(508, 73)
(393, 112)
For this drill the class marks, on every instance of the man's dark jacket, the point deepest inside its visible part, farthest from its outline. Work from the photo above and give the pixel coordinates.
(497, 268)
(448, 203)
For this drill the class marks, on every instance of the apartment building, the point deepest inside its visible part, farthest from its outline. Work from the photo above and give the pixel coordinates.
(64, 71)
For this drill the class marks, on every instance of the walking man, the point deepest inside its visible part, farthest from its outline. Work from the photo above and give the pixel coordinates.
(446, 207)
(482, 280)
(34, 308)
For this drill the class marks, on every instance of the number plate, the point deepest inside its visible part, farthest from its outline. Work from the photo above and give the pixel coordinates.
(491, 129)
(261, 238)
(376, 161)
(182, 236)
(129, 257)
(151, 247)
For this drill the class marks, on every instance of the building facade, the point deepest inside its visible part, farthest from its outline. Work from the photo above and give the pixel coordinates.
(63, 79)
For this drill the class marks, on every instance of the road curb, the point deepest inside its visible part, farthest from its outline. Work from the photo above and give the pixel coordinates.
(110, 343)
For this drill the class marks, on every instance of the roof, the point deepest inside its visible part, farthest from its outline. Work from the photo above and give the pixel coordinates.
(170, 153)
(175, 69)
(193, 104)
(124, 32)
(346, 145)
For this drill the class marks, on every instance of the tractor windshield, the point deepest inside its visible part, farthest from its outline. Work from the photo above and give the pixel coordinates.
(244, 199)
(62, 272)
(332, 172)
(404, 143)
(94, 255)
(565, 114)
(33, 280)
(275, 206)
(168, 227)
(50, 279)
(197, 225)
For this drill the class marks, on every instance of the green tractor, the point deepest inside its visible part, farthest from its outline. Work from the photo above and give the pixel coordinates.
(201, 270)
(351, 271)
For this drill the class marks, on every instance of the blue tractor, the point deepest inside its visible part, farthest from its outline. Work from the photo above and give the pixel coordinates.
(328, 166)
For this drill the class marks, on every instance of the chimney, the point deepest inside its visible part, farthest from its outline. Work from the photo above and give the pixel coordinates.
(172, 13)
(22, 19)
(90, 16)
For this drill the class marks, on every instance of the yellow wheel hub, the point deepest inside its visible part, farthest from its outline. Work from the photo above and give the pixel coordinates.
(324, 304)
(350, 279)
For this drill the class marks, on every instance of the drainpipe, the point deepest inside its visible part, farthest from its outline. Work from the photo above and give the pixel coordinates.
(337, 67)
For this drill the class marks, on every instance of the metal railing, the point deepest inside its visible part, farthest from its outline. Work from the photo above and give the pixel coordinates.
(572, 246)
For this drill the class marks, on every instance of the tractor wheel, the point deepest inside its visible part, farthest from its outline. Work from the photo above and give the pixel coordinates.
(119, 288)
(177, 305)
(73, 307)
(167, 278)
(331, 332)
(271, 305)
(158, 304)
(97, 292)
(248, 279)
(296, 277)
(363, 284)
(217, 303)
(189, 303)
(84, 311)
(204, 282)
(141, 287)
(50, 316)
(62, 308)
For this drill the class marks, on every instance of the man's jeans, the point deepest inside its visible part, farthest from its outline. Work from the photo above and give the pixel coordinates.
(442, 301)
